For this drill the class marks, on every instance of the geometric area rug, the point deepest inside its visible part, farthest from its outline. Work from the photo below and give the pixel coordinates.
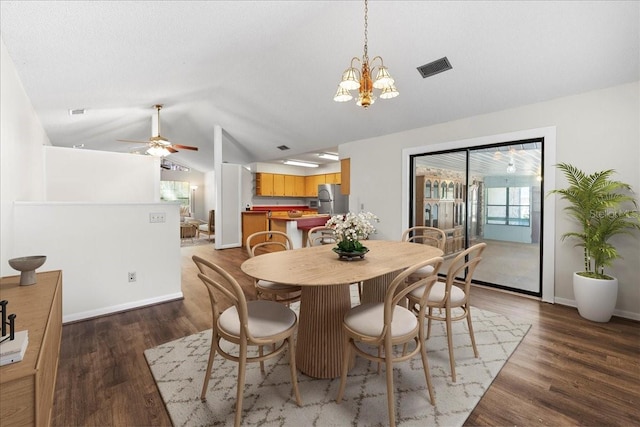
(178, 368)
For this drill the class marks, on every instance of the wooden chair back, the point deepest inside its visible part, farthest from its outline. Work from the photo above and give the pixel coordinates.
(460, 271)
(212, 221)
(426, 235)
(223, 290)
(267, 241)
(321, 235)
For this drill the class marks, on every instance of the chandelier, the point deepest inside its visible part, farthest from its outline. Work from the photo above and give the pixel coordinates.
(353, 79)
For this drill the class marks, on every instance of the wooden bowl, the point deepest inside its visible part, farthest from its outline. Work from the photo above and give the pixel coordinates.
(294, 214)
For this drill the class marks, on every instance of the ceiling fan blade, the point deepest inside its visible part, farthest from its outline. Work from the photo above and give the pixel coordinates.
(132, 140)
(171, 149)
(185, 147)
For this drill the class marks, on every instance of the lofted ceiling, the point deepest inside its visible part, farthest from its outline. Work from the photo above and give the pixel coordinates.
(266, 71)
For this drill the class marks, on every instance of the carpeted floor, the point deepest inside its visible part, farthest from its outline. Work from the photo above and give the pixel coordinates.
(178, 368)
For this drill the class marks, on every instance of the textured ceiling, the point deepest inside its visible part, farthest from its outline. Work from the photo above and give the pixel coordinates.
(267, 71)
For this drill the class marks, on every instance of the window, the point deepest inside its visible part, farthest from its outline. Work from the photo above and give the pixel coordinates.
(508, 206)
(172, 191)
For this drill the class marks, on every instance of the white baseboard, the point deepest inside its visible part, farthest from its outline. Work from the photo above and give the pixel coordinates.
(75, 317)
(619, 313)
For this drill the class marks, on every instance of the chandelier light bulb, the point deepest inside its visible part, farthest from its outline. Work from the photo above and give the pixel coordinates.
(389, 92)
(350, 79)
(342, 95)
(383, 79)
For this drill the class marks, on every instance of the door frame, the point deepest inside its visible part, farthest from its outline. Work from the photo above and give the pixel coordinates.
(548, 178)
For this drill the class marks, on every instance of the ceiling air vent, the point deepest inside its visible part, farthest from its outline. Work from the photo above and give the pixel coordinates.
(283, 147)
(435, 67)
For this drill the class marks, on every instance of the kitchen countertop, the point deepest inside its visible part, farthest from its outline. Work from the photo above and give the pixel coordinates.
(305, 222)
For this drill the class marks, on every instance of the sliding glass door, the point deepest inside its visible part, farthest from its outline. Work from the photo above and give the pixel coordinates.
(488, 194)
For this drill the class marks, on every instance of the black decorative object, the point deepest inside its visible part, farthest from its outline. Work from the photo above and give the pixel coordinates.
(5, 323)
(350, 255)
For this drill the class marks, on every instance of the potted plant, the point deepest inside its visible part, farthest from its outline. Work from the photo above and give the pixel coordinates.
(349, 229)
(602, 208)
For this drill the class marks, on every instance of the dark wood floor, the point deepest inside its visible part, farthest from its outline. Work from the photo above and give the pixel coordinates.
(566, 371)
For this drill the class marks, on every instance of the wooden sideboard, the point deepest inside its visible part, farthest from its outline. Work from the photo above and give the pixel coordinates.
(27, 387)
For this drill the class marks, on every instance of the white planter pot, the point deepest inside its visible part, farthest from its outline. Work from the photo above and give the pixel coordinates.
(595, 298)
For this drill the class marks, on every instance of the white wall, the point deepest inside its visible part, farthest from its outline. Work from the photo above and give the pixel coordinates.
(595, 131)
(21, 158)
(95, 243)
(100, 176)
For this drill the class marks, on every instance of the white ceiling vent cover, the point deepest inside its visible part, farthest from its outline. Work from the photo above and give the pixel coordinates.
(435, 67)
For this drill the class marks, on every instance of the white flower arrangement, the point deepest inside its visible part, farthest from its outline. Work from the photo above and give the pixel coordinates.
(351, 228)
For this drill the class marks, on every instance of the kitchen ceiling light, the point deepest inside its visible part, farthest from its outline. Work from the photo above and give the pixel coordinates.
(329, 156)
(299, 163)
(511, 168)
(354, 79)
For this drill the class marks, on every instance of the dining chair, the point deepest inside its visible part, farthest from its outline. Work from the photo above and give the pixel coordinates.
(267, 241)
(453, 293)
(210, 227)
(385, 325)
(245, 323)
(321, 235)
(427, 236)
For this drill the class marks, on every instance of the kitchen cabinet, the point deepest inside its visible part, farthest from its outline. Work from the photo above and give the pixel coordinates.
(252, 222)
(264, 184)
(273, 184)
(278, 185)
(332, 178)
(27, 387)
(311, 184)
(289, 185)
(299, 186)
(345, 176)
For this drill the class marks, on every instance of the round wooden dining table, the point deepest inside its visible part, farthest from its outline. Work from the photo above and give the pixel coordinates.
(325, 298)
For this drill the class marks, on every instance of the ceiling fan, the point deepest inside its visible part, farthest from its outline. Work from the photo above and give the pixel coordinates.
(158, 145)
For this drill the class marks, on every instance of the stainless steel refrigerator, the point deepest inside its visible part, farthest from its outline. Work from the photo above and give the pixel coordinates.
(331, 201)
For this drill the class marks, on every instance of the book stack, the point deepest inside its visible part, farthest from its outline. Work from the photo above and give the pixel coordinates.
(13, 351)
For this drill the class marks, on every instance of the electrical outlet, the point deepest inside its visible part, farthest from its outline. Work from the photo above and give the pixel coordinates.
(132, 276)
(157, 217)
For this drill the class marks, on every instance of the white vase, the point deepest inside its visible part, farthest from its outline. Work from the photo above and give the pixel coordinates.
(595, 298)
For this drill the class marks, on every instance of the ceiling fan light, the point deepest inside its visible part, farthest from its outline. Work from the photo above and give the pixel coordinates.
(157, 151)
(383, 78)
(342, 95)
(389, 92)
(350, 79)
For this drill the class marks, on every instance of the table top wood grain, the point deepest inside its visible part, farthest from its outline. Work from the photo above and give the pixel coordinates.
(320, 266)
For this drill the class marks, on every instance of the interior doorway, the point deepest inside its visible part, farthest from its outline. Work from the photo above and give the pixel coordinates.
(486, 193)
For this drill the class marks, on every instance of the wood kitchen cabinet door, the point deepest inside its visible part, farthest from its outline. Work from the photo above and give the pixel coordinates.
(264, 184)
(278, 185)
(289, 185)
(311, 184)
(332, 178)
(299, 187)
